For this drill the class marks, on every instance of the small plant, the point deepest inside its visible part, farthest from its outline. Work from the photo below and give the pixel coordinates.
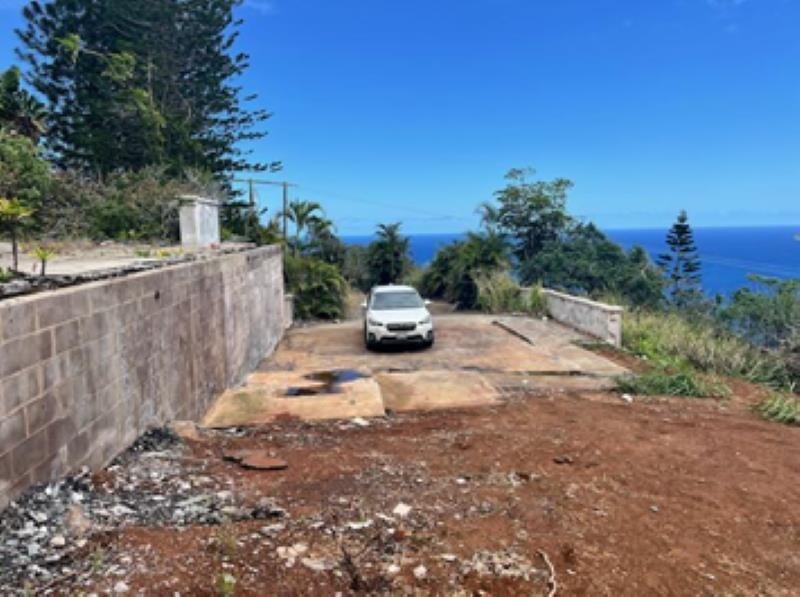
(142, 253)
(681, 383)
(12, 213)
(499, 293)
(226, 584)
(783, 408)
(536, 302)
(43, 254)
(5, 275)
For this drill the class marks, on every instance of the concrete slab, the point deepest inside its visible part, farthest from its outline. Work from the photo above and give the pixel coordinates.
(474, 362)
(292, 394)
(429, 390)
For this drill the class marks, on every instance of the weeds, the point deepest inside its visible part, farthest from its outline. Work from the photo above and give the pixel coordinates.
(226, 584)
(783, 408)
(5, 275)
(681, 383)
(672, 341)
(500, 293)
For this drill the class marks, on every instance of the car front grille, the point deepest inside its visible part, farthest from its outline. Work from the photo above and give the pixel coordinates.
(401, 327)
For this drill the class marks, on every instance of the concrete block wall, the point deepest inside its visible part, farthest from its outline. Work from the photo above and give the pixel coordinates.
(85, 370)
(602, 321)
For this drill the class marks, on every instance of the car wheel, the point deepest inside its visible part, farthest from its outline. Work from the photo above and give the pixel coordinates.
(370, 344)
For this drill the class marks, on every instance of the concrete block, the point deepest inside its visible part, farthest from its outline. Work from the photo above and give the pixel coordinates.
(59, 306)
(17, 318)
(30, 453)
(18, 389)
(66, 336)
(24, 352)
(199, 221)
(41, 412)
(12, 431)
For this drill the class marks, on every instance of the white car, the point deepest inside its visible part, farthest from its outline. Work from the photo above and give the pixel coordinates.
(396, 314)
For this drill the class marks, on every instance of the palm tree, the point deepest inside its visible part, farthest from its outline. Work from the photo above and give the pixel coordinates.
(12, 212)
(389, 254)
(303, 214)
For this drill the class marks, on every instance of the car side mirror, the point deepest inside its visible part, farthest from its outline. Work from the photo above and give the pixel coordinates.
(364, 305)
(427, 302)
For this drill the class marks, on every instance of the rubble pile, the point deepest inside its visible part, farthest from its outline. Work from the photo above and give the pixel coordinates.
(152, 484)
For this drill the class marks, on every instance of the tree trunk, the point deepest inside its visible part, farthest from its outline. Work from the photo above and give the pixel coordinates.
(14, 248)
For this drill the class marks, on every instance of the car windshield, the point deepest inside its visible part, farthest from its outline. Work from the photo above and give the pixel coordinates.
(383, 301)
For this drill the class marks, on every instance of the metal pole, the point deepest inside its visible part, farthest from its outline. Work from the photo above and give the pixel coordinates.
(285, 207)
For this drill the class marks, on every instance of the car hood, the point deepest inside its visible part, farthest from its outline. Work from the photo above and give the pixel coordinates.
(399, 315)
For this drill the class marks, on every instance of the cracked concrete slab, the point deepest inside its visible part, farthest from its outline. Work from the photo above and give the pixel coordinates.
(475, 362)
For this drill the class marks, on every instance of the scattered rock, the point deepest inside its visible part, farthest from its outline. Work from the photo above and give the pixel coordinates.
(420, 572)
(76, 521)
(563, 459)
(627, 398)
(402, 510)
(58, 541)
(121, 587)
(316, 564)
(360, 421)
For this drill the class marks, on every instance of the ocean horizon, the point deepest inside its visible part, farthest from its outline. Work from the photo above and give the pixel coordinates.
(728, 254)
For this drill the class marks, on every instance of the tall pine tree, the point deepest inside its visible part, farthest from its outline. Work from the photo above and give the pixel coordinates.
(681, 265)
(131, 84)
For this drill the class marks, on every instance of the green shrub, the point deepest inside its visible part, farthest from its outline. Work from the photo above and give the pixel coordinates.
(660, 382)
(318, 288)
(671, 340)
(537, 305)
(781, 407)
(499, 293)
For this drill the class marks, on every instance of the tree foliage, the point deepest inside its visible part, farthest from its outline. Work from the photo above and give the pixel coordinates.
(24, 174)
(19, 110)
(455, 271)
(136, 84)
(318, 288)
(388, 256)
(551, 247)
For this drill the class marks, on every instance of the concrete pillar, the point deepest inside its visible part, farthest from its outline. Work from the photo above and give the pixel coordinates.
(199, 218)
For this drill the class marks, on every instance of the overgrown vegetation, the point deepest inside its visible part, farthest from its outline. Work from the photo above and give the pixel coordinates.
(781, 407)
(670, 339)
(318, 287)
(661, 382)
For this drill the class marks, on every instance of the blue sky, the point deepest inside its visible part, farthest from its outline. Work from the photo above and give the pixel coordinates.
(414, 110)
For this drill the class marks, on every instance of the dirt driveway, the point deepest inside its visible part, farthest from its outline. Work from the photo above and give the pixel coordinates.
(550, 486)
(325, 372)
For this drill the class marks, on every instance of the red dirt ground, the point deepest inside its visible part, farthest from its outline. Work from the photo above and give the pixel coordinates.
(666, 496)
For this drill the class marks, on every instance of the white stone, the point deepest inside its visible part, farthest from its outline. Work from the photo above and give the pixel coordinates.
(58, 541)
(420, 572)
(121, 587)
(402, 510)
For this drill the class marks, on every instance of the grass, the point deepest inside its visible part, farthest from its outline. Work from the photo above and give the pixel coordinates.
(672, 341)
(500, 293)
(663, 383)
(781, 407)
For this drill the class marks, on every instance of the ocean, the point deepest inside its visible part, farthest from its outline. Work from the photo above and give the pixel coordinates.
(728, 255)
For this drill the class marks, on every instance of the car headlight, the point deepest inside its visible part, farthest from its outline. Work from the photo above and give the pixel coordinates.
(425, 320)
(374, 322)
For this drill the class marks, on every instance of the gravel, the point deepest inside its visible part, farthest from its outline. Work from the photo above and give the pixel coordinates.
(43, 533)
